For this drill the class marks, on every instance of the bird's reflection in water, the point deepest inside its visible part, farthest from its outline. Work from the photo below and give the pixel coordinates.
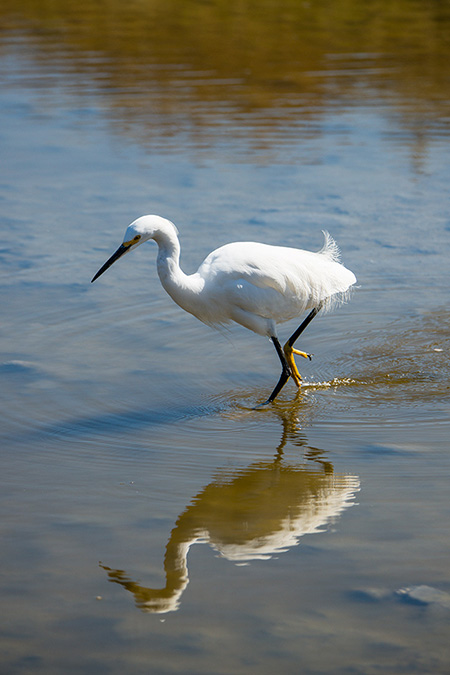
(250, 514)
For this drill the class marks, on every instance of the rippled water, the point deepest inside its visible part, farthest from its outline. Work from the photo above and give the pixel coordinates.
(129, 429)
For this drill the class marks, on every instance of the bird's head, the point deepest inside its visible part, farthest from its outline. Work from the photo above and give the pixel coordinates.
(140, 230)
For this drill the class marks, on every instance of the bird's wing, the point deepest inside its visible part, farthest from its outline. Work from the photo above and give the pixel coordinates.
(256, 263)
(284, 269)
(272, 281)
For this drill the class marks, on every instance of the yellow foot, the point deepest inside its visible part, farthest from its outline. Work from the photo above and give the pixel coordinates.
(304, 354)
(289, 353)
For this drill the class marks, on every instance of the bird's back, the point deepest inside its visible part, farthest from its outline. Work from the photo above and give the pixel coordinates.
(273, 282)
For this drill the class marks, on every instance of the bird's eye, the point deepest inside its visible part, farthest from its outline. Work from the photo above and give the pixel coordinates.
(137, 237)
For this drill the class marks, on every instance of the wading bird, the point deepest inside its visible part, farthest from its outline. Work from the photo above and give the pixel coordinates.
(255, 285)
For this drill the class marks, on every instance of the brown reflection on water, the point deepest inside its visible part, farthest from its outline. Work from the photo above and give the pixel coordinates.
(250, 514)
(165, 65)
(407, 363)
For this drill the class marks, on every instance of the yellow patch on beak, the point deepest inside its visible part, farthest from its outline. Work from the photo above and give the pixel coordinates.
(135, 240)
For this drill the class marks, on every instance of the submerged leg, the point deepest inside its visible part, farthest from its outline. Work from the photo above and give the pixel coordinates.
(285, 373)
(289, 350)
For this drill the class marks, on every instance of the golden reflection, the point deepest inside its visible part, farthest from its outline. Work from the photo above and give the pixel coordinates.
(250, 514)
(162, 65)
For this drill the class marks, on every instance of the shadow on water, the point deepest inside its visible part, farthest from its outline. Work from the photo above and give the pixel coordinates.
(113, 423)
(250, 514)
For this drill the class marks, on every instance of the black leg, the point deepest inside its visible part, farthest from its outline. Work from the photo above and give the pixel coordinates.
(303, 325)
(285, 374)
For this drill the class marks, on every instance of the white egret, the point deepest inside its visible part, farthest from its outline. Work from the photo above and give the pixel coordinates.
(255, 285)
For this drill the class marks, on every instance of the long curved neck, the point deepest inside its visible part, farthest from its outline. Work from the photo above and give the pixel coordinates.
(181, 287)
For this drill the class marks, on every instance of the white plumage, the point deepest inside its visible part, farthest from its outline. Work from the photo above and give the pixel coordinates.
(253, 284)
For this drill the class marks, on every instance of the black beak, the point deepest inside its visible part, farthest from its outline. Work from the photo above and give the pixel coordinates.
(115, 256)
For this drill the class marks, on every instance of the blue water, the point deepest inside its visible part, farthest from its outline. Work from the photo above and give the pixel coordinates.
(129, 427)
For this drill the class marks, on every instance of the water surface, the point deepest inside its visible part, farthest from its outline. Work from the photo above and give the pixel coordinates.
(153, 520)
